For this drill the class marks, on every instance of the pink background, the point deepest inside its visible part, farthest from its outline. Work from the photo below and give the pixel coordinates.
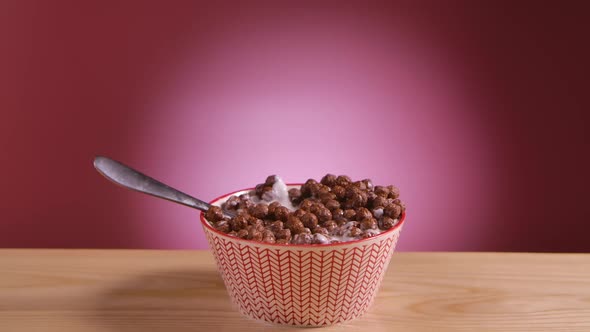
(477, 110)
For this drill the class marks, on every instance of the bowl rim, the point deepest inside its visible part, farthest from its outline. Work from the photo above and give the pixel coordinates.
(289, 245)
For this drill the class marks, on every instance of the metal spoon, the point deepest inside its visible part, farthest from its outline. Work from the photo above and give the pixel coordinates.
(135, 180)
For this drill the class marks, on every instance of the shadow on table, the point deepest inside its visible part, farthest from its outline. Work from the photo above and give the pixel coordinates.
(189, 300)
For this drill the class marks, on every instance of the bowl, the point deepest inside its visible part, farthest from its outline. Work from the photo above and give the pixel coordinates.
(301, 285)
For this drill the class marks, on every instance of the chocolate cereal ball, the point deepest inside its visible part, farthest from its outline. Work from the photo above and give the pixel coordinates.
(392, 210)
(329, 180)
(343, 181)
(268, 236)
(214, 214)
(324, 214)
(387, 223)
(379, 202)
(232, 203)
(309, 220)
(294, 224)
(368, 223)
(332, 204)
(337, 214)
(223, 226)
(350, 214)
(393, 192)
(242, 234)
(259, 210)
(295, 195)
(310, 187)
(284, 234)
(238, 223)
(282, 213)
(339, 191)
(363, 213)
(270, 180)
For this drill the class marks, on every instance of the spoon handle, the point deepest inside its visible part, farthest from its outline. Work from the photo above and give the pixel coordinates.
(132, 179)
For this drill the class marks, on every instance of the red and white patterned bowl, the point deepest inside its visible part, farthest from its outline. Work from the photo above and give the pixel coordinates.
(303, 285)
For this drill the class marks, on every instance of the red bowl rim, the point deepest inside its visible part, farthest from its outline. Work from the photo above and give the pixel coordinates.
(289, 245)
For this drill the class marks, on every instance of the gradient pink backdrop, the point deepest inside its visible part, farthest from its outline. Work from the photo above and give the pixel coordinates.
(476, 110)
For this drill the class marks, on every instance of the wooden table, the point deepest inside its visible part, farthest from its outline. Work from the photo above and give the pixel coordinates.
(143, 290)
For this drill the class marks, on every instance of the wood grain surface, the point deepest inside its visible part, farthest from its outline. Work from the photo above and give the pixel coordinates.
(142, 290)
